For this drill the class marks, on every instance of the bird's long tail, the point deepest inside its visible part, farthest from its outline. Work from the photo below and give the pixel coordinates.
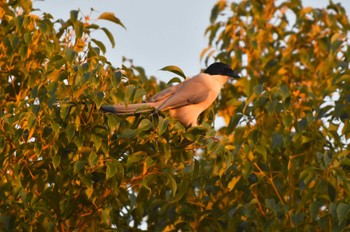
(129, 109)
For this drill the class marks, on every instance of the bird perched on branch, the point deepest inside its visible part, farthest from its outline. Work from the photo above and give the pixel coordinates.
(185, 101)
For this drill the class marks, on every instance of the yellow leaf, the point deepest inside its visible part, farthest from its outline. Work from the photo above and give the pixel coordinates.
(89, 192)
(312, 184)
(251, 156)
(282, 71)
(169, 228)
(222, 170)
(306, 10)
(79, 45)
(31, 132)
(229, 147)
(53, 76)
(209, 206)
(233, 182)
(80, 91)
(227, 113)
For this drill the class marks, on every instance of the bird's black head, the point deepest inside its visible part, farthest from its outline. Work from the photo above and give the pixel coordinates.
(220, 68)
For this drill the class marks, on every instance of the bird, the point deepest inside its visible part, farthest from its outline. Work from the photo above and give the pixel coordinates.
(186, 100)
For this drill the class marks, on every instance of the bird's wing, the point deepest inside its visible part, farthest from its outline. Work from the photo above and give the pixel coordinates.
(192, 91)
(165, 93)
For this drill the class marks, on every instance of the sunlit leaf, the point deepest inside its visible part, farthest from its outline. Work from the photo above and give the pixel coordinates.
(174, 80)
(100, 45)
(89, 192)
(145, 125)
(174, 69)
(109, 35)
(162, 125)
(110, 16)
(111, 169)
(233, 182)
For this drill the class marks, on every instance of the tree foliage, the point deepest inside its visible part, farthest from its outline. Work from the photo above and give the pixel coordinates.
(290, 135)
(281, 162)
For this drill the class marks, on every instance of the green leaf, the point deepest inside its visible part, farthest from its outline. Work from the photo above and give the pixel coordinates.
(233, 123)
(262, 150)
(287, 120)
(212, 146)
(56, 127)
(93, 159)
(111, 169)
(135, 158)
(139, 94)
(277, 140)
(106, 216)
(182, 189)
(109, 35)
(98, 98)
(218, 7)
(344, 78)
(162, 125)
(144, 125)
(271, 203)
(56, 160)
(78, 140)
(336, 41)
(74, 16)
(331, 192)
(69, 54)
(70, 131)
(111, 17)
(79, 165)
(214, 13)
(147, 182)
(174, 69)
(284, 92)
(258, 89)
(174, 80)
(128, 133)
(130, 91)
(113, 123)
(31, 121)
(97, 140)
(343, 210)
(79, 29)
(100, 45)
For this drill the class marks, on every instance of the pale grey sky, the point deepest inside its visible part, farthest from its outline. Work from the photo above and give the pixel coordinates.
(159, 32)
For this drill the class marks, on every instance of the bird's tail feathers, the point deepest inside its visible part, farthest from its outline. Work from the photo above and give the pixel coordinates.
(129, 109)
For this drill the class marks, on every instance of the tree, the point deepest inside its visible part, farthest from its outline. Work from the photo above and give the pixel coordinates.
(290, 135)
(281, 163)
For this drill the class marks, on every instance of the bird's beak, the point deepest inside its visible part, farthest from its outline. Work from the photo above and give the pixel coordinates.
(234, 74)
